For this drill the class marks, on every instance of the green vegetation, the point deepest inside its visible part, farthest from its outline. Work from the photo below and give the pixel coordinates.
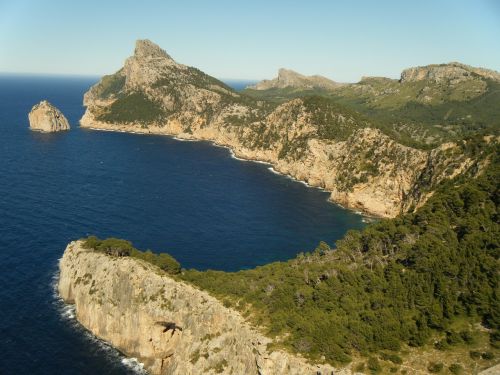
(426, 279)
(279, 96)
(435, 368)
(374, 365)
(402, 111)
(110, 85)
(134, 107)
(333, 121)
(398, 282)
(455, 368)
(122, 248)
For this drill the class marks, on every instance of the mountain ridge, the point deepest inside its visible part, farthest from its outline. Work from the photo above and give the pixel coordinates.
(289, 78)
(312, 139)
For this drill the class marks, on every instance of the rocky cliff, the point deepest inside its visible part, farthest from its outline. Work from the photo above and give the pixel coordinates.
(310, 139)
(453, 71)
(289, 78)
(170, 326)
(47, 118)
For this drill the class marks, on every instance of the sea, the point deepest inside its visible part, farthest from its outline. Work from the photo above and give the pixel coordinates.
(193, 200)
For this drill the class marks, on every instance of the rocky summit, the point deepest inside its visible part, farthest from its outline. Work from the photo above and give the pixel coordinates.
(453, 71)
(290, 79)
(366, 165)
(419, 149)
(45, 117)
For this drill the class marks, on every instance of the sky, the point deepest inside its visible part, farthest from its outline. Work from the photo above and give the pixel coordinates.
(250, 39)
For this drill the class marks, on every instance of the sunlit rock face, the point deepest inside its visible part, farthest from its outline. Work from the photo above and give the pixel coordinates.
(45, 117)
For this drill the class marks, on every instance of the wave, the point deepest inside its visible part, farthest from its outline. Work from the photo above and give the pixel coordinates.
(184, 139)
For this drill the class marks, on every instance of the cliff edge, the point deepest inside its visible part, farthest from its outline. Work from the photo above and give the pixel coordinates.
(170, 326)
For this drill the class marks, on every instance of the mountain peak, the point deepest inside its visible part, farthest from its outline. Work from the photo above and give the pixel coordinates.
(145, 48)
(446, 72)
(289, 75)
(290, 78)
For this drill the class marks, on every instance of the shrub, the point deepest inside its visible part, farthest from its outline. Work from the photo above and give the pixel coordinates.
(374, 365)
(110, 246)
(474, 355)
(456, 369)
(441, 345)
(121, 248)
(360, 367)
(167, 263)
(495, 339)
(453, 338)
(394, 358)
(467, 337)
(435, 368)
(487, 355)
(135, 107)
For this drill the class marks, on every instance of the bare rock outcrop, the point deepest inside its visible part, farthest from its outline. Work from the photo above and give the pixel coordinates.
(289, 78)
(170, 326)
(310, 139)
(45, 117)
(454, 72)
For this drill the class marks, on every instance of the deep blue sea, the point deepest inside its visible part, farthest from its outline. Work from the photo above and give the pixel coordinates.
(190, 199)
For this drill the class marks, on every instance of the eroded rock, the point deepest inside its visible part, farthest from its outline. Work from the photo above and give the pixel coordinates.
(170, 326)
(45, 117)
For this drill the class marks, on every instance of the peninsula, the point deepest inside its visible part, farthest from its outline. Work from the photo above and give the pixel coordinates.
(382, 168)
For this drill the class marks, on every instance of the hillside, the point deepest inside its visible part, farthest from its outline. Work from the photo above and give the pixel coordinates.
(415, 294)
(367, 164)
(427, 106)
(426, 280)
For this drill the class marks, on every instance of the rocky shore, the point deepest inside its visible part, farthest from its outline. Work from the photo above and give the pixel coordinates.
(385, 194)
(168, 325)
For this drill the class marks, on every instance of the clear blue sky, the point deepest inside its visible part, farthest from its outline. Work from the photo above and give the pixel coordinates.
(251, 39)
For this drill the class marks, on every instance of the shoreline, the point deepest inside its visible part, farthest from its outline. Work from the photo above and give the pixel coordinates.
(206, 324)
(366, 216)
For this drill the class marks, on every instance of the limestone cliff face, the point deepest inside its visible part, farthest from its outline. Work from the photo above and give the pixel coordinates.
(455, 72)
(135, 307)
(289, 78)
(308, 139)
(47, 118)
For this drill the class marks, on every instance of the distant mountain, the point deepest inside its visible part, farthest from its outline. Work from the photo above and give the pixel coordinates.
(431, 84)
(349, 140)
(427, 106)
(288, 78)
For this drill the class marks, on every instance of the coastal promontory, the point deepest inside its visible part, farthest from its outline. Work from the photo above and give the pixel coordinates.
(167, 324)
(383, 166)
(45, 117)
